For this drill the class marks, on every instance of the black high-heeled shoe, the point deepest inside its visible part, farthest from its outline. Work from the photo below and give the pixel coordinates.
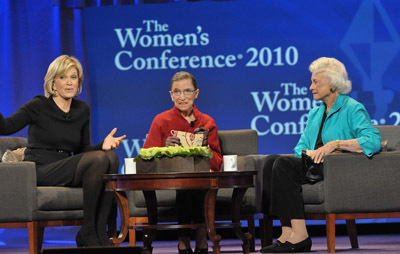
(82, 241)
(104, 239)
(185, 251)
(79, 240)
(201, 251)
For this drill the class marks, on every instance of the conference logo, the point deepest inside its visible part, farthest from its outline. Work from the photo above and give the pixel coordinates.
(140, 50)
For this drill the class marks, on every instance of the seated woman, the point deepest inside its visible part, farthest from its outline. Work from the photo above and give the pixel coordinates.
(184, 116)
(339, 123)
(59, 144)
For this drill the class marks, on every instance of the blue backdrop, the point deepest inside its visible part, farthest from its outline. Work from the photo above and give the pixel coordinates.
(250, 58)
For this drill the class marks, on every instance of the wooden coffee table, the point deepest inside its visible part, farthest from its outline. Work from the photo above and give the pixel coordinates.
(210, 181)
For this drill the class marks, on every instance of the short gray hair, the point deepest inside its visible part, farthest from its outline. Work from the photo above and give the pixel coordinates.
(334, 71)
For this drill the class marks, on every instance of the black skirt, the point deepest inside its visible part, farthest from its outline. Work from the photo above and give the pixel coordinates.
(53, 168)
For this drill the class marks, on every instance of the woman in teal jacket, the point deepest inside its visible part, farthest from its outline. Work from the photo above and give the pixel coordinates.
(339, 123)
(347, 125)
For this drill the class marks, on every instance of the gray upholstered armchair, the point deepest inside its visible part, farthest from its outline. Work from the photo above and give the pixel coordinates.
(354, 187)
(24, 204)
(240, 142)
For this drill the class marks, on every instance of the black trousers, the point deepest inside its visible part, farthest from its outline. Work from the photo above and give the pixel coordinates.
(282, 180)
(190, 208)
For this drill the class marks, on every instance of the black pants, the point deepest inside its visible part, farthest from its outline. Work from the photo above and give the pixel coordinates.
(190, 208)
(282, 180)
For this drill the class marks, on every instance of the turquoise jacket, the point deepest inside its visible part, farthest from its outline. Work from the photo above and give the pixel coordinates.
(348, 119)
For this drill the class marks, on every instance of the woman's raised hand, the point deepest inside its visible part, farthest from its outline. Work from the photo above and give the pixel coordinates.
(111, 142)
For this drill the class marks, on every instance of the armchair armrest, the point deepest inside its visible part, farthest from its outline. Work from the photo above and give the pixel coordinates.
(356, 183)
(17, 191)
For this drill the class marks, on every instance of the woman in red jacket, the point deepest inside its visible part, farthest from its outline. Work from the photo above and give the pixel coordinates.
(184, 116)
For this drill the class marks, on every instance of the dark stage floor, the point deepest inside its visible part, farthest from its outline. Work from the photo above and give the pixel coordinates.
(15, 241)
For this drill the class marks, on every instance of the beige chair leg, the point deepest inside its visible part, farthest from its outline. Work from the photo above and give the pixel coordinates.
(352, 231)
(330, 232)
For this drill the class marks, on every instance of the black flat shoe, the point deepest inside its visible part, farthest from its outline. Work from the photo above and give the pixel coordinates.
(272, 247)
(303, 246)
(288, 247)
(201, 251)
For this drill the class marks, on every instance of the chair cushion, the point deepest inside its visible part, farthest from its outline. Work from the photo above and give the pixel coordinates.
(51, 198)
(240, 142)
(313, 193)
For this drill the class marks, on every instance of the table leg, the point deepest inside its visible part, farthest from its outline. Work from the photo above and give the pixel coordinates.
(123, 205)
(150, 234)
(209, 212)
(237, 198)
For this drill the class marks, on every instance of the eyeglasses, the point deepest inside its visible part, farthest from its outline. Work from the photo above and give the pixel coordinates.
(187, 92)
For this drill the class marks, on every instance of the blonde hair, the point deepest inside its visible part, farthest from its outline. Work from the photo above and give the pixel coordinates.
(334, 71)
(184, 75)
(58, 68)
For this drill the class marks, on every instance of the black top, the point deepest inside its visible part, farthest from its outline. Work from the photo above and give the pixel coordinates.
(50, 127)
(319, 142)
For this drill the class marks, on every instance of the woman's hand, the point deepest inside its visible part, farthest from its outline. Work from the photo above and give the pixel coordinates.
(172, 141)
(205, 132)
(318, 155)
(111, 142)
